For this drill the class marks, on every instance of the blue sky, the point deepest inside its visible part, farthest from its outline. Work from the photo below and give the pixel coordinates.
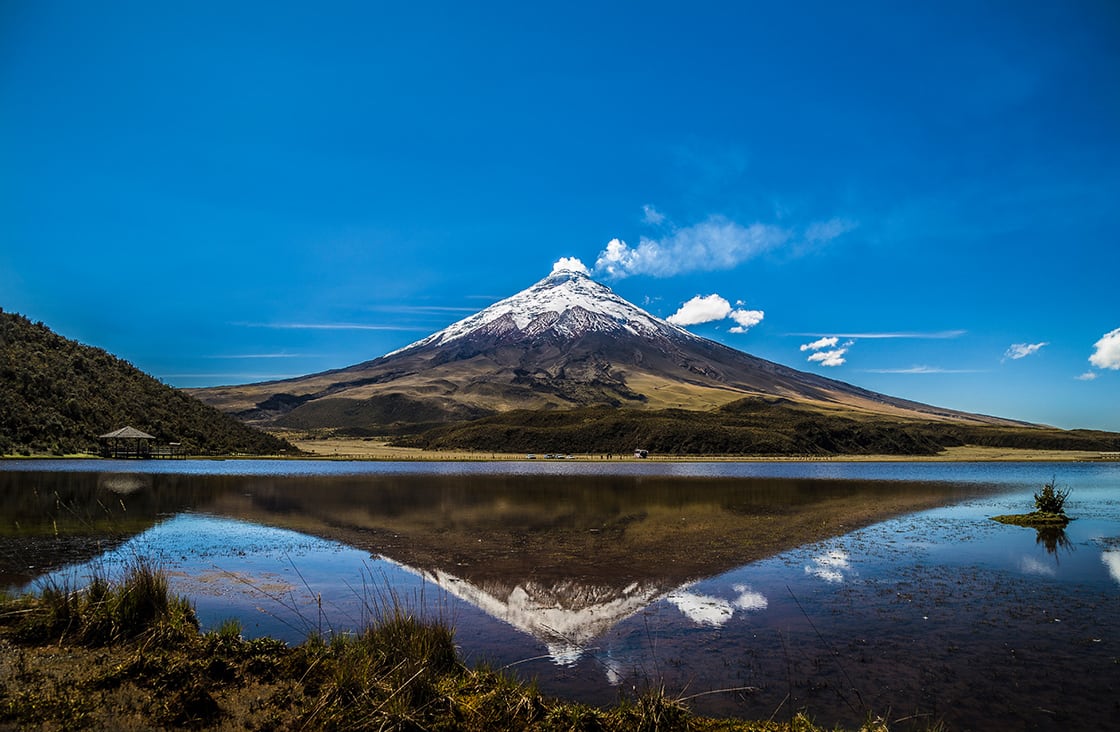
(918, 198)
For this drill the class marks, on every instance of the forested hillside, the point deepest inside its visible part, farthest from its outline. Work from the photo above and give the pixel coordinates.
(57, 396)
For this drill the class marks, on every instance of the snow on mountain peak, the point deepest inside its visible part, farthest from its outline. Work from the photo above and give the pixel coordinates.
(567, 302)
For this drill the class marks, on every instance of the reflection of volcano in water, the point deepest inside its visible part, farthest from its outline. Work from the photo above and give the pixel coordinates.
(566, 616)
(565, 559)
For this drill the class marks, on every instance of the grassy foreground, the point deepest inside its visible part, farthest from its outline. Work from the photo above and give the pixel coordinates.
(129, 656)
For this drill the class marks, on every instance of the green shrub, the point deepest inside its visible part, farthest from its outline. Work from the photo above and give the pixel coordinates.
(1051, 499)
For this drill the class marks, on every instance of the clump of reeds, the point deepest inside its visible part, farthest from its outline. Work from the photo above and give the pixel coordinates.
(391, 673)
(105, 612)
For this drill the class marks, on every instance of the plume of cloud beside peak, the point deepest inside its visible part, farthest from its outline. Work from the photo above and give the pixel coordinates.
(715, 244)
(570, 264)
(1106, 351)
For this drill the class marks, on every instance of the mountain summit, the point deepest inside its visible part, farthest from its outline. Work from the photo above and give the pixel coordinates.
(565, 342)
(565, 306)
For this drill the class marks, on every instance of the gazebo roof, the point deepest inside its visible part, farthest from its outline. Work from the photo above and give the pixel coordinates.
(130, 433)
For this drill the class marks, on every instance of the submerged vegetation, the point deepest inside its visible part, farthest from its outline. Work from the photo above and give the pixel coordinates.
(57, 396)
(127, 655)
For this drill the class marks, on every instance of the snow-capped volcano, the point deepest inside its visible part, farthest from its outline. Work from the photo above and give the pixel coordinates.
(567, 303)
(567, 341)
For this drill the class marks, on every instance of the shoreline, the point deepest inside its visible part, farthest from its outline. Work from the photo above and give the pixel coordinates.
(373, 450)
(363, 449)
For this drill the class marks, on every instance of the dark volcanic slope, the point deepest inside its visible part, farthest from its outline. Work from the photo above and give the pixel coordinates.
(565, 342)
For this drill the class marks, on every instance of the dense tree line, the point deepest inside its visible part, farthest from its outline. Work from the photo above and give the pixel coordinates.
(58, 395)
(752, 426)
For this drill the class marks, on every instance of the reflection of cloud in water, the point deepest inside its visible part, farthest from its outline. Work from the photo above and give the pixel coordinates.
(1111, 559)
(830, 566)
(702, 609)
(1030, 565)
(708, 610)
(613, 670)
(124, 483)
(748, 599)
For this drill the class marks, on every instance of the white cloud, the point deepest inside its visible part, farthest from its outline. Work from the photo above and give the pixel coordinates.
(701, 310)
(942, 334)
(1087, 376)
(715, 244)
(829, 342)
(1107, 351)
(330, 326)
(924, 370)
(1021, 350)
(570, 264)
(825, 231)
(709, 308)
(263, 355)
(745, 319)
(829, 358)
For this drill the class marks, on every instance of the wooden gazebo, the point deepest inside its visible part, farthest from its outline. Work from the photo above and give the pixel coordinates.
(127, 442)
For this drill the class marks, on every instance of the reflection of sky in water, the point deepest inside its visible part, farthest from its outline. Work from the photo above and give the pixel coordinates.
(1031, 565)
(277, 582)
(1111, 559)
(947, 584)
(715, 611)
(830, 566)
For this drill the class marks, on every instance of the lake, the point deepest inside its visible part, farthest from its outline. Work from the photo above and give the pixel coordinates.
(752, 589)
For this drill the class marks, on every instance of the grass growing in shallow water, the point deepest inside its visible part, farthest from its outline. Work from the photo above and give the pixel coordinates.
(128, 655)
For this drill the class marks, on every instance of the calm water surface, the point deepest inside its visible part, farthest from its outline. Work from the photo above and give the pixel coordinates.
(765, 583)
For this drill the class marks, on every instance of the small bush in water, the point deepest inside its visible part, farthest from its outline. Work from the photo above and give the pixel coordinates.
(1051, 499)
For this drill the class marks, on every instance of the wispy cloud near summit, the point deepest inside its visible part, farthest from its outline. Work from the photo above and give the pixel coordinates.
(717, 243)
